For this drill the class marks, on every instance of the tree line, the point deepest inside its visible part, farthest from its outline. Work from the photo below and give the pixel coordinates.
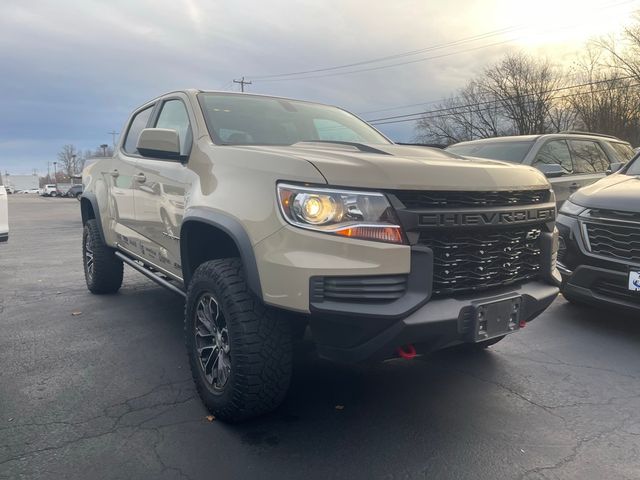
(521, 94)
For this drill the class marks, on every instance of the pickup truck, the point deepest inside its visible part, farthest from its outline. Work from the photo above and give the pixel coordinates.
(273, 217)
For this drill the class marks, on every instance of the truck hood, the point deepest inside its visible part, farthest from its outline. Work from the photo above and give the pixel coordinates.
(408, 168)
(615, 192)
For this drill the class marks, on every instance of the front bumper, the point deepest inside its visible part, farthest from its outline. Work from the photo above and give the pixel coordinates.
(435, 325)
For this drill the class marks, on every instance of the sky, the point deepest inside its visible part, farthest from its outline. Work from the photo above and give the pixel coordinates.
(71, 71)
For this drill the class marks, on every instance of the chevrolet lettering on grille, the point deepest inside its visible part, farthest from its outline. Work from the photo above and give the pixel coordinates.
(464, 219)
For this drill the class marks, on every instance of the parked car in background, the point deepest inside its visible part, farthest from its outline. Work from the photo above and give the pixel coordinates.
(571, 160)
(4, 215)
(599, 255)
(9, 190)
(31, 190)
(49, 190)
(75, 191)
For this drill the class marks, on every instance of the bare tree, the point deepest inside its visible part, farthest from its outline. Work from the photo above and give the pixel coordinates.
(524, 88)
(609, 101)
(514, 96)
(68, 158)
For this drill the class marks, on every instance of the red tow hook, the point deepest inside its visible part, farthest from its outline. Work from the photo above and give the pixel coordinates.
(522, 324)
(408, 352)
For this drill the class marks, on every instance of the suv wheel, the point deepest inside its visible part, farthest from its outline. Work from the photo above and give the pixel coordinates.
(239, 350)
(102, 269)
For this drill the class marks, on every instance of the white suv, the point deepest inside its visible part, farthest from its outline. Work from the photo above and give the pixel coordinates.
(49, 190)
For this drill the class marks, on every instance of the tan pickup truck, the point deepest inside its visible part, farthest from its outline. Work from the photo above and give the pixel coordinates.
(271, 215)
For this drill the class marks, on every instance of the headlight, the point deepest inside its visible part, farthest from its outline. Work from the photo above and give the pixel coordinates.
(364, 215)
(569, 208)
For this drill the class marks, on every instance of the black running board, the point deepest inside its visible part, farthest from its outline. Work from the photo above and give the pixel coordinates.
(149, 274)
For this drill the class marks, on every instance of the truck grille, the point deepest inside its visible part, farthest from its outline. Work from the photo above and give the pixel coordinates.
(615, 241)
(381, 288)
(449, 199)
(477, 260)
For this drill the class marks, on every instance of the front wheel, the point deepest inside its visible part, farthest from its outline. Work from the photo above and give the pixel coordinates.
(239, 351)
(102, 269)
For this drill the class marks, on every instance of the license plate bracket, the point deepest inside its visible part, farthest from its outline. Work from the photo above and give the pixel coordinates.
(494, 319)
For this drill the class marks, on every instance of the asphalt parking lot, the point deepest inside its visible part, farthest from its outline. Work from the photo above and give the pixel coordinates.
(99, 387)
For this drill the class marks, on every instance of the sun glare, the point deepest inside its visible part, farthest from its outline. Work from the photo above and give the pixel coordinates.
(565, 23)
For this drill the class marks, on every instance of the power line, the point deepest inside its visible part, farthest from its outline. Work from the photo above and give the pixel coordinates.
(445, 112)
(381, 67)
(302, 75)
(473, 38)
(552, 90)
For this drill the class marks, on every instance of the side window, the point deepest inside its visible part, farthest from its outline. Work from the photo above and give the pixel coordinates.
(624, 151)
(555, 151)
(174, 116)
(588, 157)
(138, 123)
(330, 130)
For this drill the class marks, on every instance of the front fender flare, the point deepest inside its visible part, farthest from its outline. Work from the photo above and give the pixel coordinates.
(234, 229)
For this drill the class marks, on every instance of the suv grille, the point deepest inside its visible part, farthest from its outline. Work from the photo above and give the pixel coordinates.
(615, 241)
(431, 199)
(478, 260)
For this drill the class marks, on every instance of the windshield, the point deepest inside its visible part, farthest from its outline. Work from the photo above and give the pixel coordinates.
(254, 120)
(514, 151)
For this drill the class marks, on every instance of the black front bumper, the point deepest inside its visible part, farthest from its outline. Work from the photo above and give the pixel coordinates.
(435, 325)
(590, 278)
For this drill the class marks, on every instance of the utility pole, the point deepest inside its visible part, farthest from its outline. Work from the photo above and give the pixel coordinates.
(104, 147)
(113, 134)
(55, 175)
(242, 83)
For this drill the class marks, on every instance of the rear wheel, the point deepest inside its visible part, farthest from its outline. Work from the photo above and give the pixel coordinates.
(239, 351)
(102, 269)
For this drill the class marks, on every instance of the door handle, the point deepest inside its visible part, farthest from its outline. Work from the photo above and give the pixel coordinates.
(115, 173)
(574, 186)
(140, 178)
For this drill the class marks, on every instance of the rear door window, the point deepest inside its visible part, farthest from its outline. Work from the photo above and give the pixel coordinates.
(554, 152)
(588, 157)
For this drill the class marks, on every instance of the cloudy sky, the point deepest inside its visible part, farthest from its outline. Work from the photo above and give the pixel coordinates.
(73, 70)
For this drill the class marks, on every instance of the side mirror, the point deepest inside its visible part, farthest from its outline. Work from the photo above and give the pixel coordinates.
(614, 167)
(551, 170)
(159, 143)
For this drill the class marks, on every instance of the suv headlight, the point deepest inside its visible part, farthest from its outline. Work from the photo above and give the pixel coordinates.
(569, 208)
(363, 215)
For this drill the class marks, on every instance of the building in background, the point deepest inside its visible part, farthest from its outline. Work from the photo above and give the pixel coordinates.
(22, 182)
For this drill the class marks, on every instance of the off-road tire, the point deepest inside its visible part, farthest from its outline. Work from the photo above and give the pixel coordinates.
(106, 276)
(260, 346)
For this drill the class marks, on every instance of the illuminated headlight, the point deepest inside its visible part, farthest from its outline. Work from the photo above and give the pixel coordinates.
(569, 208)
(363, 215)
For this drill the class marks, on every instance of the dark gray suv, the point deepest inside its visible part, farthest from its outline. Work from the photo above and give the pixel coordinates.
(571, 160)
